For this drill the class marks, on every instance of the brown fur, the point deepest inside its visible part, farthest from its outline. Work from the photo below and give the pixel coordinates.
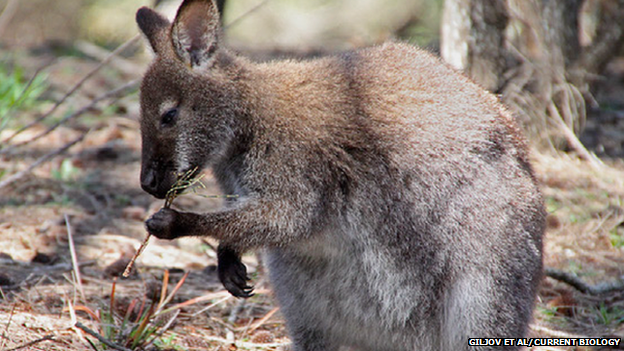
(392, 195)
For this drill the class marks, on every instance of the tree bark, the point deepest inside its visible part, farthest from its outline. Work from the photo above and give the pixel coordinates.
(560, 23)
(608, 39)
(530, 52)
(473, 39)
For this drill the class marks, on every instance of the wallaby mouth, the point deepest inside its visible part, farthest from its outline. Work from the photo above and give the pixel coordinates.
(185, 180)
(156, 183)
(164, 183)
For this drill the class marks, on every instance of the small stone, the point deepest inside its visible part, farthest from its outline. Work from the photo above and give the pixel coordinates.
(5, 280)
(5, 257)
(44, 258)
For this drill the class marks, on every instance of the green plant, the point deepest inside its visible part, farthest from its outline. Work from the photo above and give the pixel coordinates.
(550, 314)
(609, 315)
(552, 204)
(168, 343)
(617, 236)
(575, 267)
(547, 310)
(139, 324)
(122, 200)
(17, 93)
(66, 171)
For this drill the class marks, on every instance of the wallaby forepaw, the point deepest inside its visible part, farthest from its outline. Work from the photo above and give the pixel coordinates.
(234, 278)
(237, 289)
(162, 224)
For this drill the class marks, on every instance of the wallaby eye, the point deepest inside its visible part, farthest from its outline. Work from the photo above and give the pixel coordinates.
(168, 118)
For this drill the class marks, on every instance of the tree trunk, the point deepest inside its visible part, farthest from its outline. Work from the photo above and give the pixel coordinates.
(608, 39)
(473, 38)
(560, 23)
(530, 52)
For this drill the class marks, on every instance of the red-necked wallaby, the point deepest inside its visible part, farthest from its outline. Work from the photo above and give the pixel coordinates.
(393, 197)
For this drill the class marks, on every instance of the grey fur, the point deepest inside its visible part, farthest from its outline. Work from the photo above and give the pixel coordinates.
(393, 196)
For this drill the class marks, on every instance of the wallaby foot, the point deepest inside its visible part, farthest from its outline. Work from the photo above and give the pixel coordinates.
(304, 339)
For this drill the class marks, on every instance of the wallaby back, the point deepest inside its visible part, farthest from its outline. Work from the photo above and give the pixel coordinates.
(393, 197)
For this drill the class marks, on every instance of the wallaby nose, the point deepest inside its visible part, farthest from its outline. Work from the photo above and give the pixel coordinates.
(149, 182)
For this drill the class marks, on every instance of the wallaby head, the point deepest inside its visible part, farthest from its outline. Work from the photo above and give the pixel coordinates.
(184, 104)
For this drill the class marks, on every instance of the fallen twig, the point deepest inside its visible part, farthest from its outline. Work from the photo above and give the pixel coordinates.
(209, 306)
(263, 320)
(74, 258)
(573, 140)
(236, 310)
(6, 329)
(40, 161)
(124, 65)
(244, 344)
(32, 343)
(222, 294)
(580, 285)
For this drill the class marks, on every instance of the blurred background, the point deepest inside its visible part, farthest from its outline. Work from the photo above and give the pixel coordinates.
(287, 24)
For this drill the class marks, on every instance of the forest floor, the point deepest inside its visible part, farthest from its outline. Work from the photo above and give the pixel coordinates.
(89, 198)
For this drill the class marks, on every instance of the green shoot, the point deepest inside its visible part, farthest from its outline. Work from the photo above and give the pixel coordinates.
(128, 333)
(17, 93)
(185, 182)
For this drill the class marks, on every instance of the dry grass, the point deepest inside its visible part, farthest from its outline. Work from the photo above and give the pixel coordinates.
(584, 237)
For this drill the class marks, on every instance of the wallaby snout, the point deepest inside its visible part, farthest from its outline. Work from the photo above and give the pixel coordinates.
(148, 182)
(158, 169)
(155, 183)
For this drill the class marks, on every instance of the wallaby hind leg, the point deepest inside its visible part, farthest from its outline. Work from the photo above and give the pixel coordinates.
(478, 308)
(305, 339)
(304, 327)
(308, 323)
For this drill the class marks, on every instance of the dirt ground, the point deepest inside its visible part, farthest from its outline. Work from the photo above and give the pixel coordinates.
(90, 197)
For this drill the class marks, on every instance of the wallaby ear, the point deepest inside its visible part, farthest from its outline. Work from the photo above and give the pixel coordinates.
(195, 32)
(155, 27)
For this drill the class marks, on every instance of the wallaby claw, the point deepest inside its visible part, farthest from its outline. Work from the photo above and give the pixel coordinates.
(234, 278)
(233, 273)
